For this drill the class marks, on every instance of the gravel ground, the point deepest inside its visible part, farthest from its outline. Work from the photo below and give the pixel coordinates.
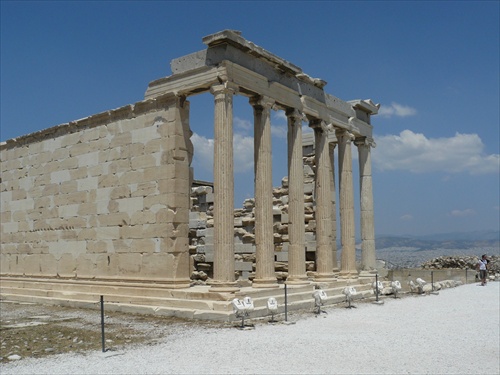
(455, 332)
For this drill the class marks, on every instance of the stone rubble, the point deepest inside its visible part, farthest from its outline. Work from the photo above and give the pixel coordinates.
(464, 262)
(201, 230)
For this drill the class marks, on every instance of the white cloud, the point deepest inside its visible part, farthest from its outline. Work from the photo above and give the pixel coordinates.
(416, 153)
(279, 131)
(204, 153)
(396, 109)
(462, 213)
(242, 124)
(406, 217)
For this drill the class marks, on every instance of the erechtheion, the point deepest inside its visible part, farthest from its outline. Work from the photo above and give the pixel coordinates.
(101, 205)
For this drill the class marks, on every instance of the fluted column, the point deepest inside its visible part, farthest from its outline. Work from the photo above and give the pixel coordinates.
(324, 260)
(368, 256)
(347, 226)
(224, 279)
(296, 228)
(331, 150)
(265, 276)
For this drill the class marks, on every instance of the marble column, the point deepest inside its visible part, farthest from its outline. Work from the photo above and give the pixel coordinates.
(296, 225)
(323, 214)
(347, 226)
(333, 195)
(265, 276)
(224, 277)
(368, 256)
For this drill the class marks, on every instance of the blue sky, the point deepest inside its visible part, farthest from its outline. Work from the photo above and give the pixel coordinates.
(433, 67)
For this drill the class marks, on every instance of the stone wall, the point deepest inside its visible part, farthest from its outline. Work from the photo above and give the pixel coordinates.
(104, 197)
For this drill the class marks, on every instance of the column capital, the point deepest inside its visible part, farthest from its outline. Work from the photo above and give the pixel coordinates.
(264, 102)
(345, 134)
(365, 141)
(295, 114)
(320, 125)
(224, 88)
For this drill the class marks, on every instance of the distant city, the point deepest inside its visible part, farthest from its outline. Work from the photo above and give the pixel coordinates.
(412, 251)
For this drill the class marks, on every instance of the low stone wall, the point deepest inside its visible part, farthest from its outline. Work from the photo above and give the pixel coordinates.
(405, 275)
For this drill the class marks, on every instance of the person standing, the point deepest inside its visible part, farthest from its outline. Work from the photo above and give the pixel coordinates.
(482, 267)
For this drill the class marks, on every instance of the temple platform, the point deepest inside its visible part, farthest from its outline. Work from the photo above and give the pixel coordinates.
(196, 302)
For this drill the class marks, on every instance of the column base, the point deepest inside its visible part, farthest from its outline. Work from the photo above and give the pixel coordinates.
(348, 275)
(325, 277)
(370, 273)
(228, 287)
(297, 280)
(265, 283)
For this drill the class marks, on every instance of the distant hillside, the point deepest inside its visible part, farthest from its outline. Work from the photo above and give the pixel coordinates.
(412, 251)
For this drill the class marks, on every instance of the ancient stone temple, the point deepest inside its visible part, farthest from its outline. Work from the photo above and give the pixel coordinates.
(101, 205)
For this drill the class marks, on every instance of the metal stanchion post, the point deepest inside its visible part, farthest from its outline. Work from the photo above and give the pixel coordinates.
(377, 302)
(102, 325)
(286, 304)
(432, 283)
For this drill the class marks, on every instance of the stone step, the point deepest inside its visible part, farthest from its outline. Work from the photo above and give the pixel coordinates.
(192, 303)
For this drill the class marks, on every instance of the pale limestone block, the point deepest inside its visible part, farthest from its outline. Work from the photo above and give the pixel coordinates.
(68, 163)
(69, 210)
(52, 166)
(119, 166)
(143, 161)
(87, 209)
(70, 139)
(98, 170)
(106, 264)
(107, 181)
(113, 219)
(18, 194)
(73, 248)
(31, 265)
(5, 200)
(60, 153)
(144, 134)
(129, 264)
(71, 198)
(130, 177)
(152, 146)
(6, 216)
(98, 246)
(88, 159)
(145, 189)
(112, 206)
(120, 192)
(78, 173)
(35, 148)
(143, 217)
(87, 184)
(175, 245)
(87, 234)
(60, 176)
(50, 189)
(107, 233)
(109, 155)
(86, 266)
(11, 227)
(131, 232)
(121, 139)
(144, 245)
(68, 187)
(47, 265)
(90, 135)
(121, 245)
(132, 151)
(22, 205)
(79, 149)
